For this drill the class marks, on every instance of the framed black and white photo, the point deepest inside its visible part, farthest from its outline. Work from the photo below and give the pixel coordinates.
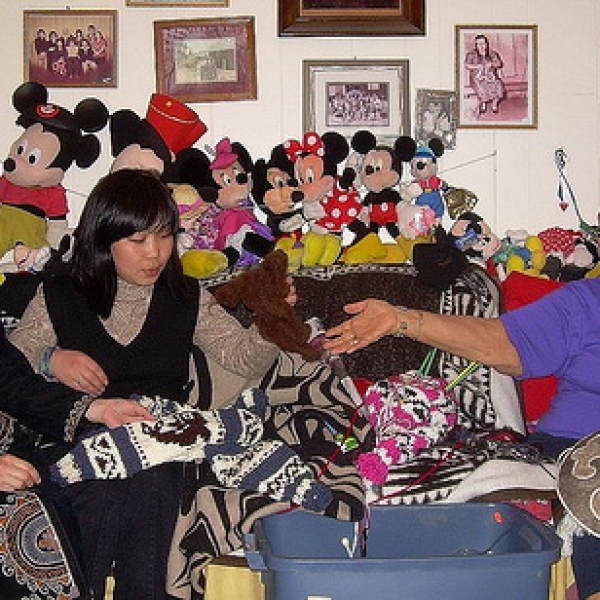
(348, 95)
(435, 117)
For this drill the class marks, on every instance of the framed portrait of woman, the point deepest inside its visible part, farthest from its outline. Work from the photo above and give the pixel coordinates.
(496, 75)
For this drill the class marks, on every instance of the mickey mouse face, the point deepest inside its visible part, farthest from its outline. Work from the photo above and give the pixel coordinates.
(377, 173)
(30, 157)
(423, 167)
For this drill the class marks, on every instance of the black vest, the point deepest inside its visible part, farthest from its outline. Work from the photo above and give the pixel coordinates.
(155, 362)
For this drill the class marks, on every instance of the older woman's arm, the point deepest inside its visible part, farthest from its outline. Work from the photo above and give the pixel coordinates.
(481, 340)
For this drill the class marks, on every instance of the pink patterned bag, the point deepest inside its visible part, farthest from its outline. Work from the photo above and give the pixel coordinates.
(408, 412)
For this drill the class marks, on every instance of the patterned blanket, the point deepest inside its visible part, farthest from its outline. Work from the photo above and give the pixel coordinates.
(309, 406)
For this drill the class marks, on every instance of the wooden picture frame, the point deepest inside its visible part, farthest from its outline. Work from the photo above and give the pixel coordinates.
(436, 114)
(152, 3)
(498, 90)
(348, 95)
(70, 48)
(206, 60)
(328, 18)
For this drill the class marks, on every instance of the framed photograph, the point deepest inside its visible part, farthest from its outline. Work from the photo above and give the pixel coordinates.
(177, 2)
(351, 17)
(435, 116)
(496, 75)
(206, 60)
(348, 95)
(70, 48)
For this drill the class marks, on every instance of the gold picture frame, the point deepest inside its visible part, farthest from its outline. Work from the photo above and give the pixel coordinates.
(206, 60)
(70, 48)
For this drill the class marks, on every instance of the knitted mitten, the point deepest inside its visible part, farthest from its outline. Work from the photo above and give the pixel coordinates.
(180, 434)
(272, 468)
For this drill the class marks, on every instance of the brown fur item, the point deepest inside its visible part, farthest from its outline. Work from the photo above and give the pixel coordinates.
(263, 289)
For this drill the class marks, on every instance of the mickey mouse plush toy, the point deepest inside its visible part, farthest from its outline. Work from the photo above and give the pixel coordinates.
(274, 191)
(427, 187)
(380, 172)
(33, 210)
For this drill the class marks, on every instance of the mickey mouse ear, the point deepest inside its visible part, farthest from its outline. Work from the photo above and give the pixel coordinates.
(437, 146)
(29, 94)
(91, 115)
(405, 147)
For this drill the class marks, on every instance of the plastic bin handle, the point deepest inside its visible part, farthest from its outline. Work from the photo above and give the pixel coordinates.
(253, 556)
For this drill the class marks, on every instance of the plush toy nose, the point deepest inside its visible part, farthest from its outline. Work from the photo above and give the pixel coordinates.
(297, 196)
(421, 165)
(369, 170)
(9, 165)
(242, 178)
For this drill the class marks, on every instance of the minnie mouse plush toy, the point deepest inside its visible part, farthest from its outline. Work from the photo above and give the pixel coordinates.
(230, 224)
(33, 210)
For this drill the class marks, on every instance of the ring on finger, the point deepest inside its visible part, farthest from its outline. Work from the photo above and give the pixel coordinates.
(355, 340)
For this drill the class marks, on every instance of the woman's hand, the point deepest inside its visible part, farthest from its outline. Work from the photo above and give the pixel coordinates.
(78, 371)
(373, 319)
(114, 412)
(16, 474)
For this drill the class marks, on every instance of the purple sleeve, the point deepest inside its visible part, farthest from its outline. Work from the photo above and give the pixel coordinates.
(546, 333)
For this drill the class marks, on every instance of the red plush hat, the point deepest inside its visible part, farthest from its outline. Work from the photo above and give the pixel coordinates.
(225, 156)
(178, 125)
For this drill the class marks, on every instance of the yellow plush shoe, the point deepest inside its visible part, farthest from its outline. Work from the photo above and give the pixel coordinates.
(314, 247)
(395, 254)
(203, 263)
(293, 251)
(408, 245)
(332, 247)
(368, 250)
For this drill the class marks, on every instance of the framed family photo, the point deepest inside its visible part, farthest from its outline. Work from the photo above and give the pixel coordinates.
(348, 95)
(496, 75)
(436, 116)
(206, 60)
(70, 48)
(351, 17)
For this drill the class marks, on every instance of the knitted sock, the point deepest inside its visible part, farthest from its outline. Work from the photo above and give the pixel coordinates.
(272, 468)
(180, 434)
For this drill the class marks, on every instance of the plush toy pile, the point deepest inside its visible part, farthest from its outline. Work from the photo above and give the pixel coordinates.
(321, 199)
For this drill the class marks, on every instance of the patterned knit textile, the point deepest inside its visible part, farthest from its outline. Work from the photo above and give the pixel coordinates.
(180, 434)
(272, 468)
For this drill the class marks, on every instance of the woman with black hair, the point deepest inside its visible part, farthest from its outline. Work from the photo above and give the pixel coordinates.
(124, 321)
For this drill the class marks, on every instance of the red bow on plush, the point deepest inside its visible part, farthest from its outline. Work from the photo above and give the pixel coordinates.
(312, 144)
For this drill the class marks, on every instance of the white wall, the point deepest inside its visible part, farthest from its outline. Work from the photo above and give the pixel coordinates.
(511, 170)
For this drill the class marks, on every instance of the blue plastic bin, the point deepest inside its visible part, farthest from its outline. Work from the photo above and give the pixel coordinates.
(466, 551)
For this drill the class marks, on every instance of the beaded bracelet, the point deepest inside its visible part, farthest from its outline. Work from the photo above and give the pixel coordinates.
(402, 330)
(45, 362)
